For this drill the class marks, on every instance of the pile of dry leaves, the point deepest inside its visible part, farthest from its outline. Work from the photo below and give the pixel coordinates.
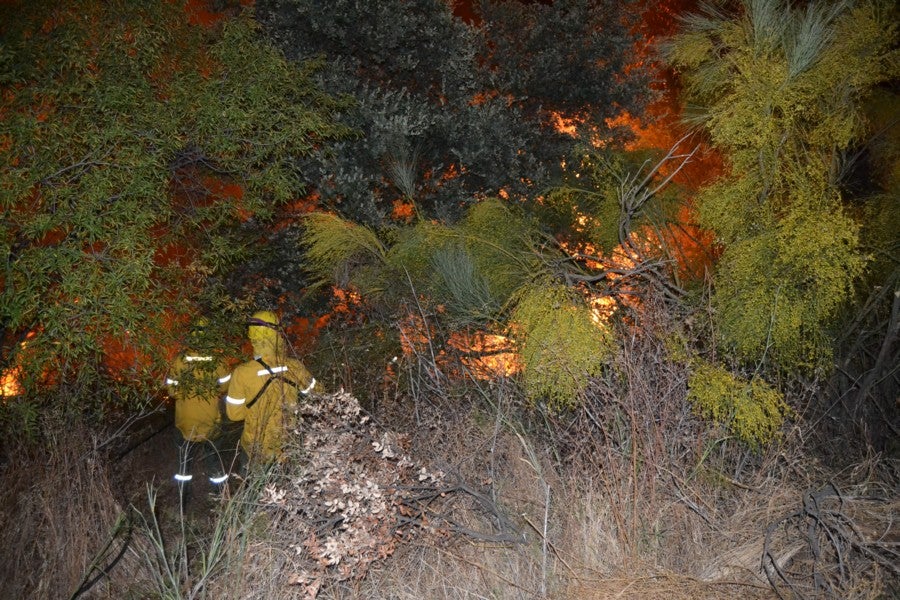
(348, 493)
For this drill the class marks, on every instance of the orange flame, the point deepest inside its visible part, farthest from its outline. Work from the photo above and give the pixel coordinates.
(11, 378)
(565, 125)
(403, 211)
(11, 382)
(487, 355)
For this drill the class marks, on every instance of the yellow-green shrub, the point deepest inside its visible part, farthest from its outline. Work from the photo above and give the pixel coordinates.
(781, 89)
(339, 250)
(752, 410)
(561, 346)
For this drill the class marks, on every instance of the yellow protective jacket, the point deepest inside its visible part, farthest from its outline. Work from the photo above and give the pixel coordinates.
(258, 393)
(196, 381)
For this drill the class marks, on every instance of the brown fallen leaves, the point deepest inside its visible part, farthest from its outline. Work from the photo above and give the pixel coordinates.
(346, 494)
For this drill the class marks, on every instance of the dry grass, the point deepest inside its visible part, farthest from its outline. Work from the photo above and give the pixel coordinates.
(633, 497)
(61, 523)
(586, 533)
(581, 554)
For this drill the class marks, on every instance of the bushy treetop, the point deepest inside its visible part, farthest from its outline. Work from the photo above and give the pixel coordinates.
(467, 109)
(133, 146)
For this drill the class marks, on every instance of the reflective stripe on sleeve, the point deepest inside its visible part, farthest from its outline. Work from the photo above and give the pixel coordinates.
(231, 400)
(180, 477)
(262, 372)
(218, 480)
(225, 379)
(309, 388)
(197, 358)
(171, 381)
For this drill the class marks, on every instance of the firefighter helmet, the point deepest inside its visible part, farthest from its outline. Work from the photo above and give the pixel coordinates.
(263, 325)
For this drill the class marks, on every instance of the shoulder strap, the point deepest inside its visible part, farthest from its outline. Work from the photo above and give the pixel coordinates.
(265, 386)
(277, 376)
(259, 393)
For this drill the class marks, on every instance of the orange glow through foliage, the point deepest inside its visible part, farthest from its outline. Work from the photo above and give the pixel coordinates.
(403, 211)
(486, 355)
(123, 358)
(346, 301)
(189, 189)
(200, 12)
(565, 125)
(660, 130)
(303, 332)
(11, 382)
(11, 378)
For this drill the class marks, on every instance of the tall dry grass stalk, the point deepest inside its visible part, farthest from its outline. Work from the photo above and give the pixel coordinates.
(186, 559)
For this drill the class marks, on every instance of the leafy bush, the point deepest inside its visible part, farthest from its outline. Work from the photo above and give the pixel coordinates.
(781, 89)
(335, 246)
(751, 410)
(134, 145)
(463, 107)
(483, 272)
(561, 345)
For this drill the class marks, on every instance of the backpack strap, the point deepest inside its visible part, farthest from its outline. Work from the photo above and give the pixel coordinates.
(265, 386)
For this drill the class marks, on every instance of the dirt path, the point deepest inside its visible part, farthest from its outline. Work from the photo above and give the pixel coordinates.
(147, 456)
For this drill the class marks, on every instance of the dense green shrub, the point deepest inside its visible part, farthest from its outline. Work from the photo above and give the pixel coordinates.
(780, 90)
(751, 410)
(562, 346)
(136, 151)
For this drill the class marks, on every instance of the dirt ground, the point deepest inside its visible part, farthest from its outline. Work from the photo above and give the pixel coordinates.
(147, 456)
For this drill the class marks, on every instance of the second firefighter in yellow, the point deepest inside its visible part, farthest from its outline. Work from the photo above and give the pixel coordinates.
(261, 390)
(196, 381)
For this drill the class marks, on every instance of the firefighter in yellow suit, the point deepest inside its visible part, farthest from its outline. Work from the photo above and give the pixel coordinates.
(196, 380)
(261, 390)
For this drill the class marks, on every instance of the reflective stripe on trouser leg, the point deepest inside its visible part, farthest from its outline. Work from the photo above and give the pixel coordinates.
(183, 474)
(214, 468)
